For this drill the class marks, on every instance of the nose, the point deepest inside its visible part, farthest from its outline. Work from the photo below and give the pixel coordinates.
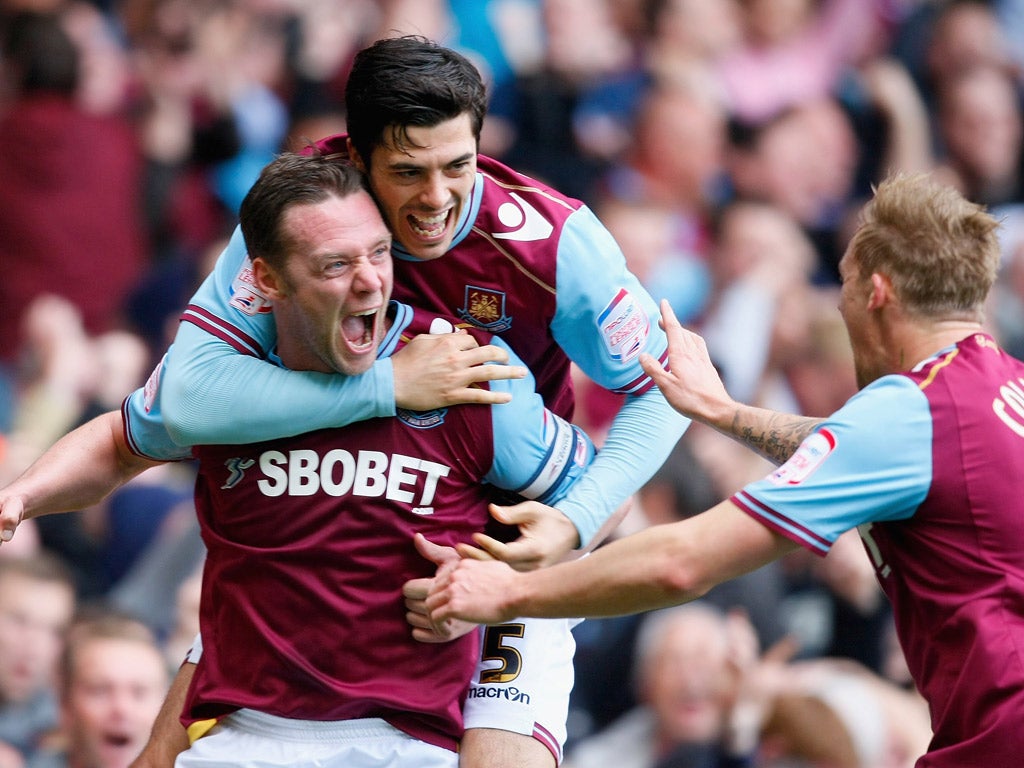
(434, 194)
(368, 278)
(123, 702)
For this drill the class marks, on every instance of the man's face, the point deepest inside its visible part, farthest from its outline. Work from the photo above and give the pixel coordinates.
(112, 701)
(423, 188)
(33, 617)
(331, 300)
(686, 687)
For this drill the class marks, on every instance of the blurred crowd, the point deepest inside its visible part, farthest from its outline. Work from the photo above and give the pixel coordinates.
(727, 145)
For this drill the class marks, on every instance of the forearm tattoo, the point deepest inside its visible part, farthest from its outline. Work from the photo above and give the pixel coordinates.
(776, 436)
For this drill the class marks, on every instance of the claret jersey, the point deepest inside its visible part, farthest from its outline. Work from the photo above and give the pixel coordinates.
(310, 539)
(528, 265)
(928, 466)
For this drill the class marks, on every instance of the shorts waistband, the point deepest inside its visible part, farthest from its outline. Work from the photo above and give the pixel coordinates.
(264, 724)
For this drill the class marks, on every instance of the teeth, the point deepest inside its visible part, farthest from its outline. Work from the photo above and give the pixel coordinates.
(429, 226)
(358, 326)
(437, 218)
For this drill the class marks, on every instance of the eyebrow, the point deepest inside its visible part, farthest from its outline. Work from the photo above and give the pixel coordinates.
(402, 165)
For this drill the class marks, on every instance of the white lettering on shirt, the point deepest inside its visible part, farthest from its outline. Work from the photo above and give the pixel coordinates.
(398, 477)
(1011, 395)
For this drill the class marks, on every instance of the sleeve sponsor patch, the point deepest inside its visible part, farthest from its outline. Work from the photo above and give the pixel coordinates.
(245, 296)
(624, 326)
(809, 456)
(152, 386)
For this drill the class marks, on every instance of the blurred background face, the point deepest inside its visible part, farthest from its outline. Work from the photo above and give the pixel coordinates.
(773, 22)
(686, 679)
(982, 125)
(33, 617)
(582, 39)
(112, 701)
(966, 35)
(756, 236)
(680, 140)
(806, 160)
(707, 28)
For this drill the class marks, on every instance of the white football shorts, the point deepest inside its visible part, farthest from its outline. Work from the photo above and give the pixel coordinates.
(521, 684)
(523, 680)
(250, 739)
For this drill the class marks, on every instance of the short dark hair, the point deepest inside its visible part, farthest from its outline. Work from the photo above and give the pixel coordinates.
(291, 179)
(37, 50)
(407, 81)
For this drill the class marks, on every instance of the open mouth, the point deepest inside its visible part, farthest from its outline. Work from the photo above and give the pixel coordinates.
(358, 329)
(118, 744)
(429, 227)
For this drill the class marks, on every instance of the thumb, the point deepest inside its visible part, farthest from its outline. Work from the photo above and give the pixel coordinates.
(12, 513)
(509, 515)
(435, 553)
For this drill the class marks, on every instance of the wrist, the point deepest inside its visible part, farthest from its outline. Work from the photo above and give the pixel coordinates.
(722, 415)
(570, 534)
(517, 596)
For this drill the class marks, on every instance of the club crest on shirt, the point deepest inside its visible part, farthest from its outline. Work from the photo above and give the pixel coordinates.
(422, 419)
(809, 456)
(485, 308)
(245, 296)
(624, 326)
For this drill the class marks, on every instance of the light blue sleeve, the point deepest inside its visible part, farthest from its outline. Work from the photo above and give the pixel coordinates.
(871, 461)
(604, 319)
(218, 389)
(536, 453)
(144, 424)
(644, 432)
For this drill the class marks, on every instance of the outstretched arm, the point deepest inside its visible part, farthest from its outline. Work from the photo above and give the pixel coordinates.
(78, 471)
(693, 387)
(213, 394)
(660, 566)
(218, 388)
(642, 435)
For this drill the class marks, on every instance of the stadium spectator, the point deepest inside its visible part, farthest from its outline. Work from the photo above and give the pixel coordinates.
(112, 683)
(37, 602)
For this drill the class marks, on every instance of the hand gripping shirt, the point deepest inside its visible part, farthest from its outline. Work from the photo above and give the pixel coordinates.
(929, 467)
(310, 539)
(528, 265)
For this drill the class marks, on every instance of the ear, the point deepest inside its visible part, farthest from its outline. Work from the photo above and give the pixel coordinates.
(881, 291)
(267, 280)
(354, 156)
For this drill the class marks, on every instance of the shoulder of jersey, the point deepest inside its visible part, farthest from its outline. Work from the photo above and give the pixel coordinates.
(516, 208)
